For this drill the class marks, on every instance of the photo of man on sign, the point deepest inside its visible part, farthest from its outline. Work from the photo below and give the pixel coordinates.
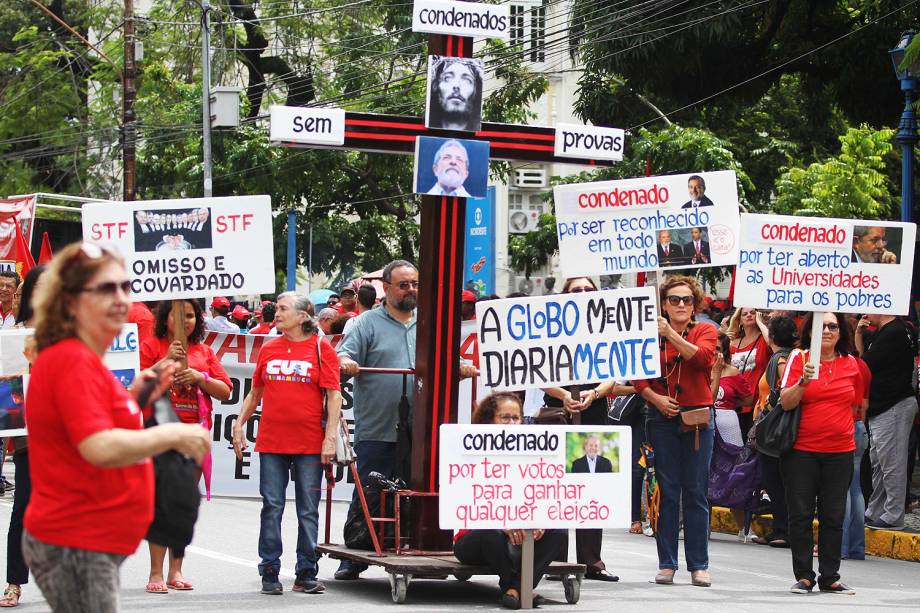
(870, 244)
(454, 93)
(451, 167)
(172, 229)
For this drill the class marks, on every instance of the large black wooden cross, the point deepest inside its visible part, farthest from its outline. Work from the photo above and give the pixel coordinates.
(440, 275)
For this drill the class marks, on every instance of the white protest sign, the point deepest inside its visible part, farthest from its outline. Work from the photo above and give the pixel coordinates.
(461, 18)
(592, 142)
(674, 221)
(551, 341)
(500, 476)
(825, 264)
(123, 357)
(307, 125)
(191, 247)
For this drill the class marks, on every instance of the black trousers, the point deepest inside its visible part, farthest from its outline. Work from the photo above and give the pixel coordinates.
(588, 543)
(491, 548)
(773, 482)
(17, 571)
(821, 479)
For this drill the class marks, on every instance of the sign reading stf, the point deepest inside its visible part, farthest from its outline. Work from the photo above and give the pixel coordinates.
(461, 18)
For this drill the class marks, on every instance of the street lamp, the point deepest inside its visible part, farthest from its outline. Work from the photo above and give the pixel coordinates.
(907, 129)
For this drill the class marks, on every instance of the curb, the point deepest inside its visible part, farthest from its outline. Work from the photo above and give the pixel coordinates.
(882, 543)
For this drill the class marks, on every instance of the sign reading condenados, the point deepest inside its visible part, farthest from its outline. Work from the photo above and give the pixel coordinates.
(461, 18)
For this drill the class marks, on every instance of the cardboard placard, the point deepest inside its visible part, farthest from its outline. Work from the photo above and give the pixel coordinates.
(189, 248)
(825, 264)
(497, 476)
(666, 222)
(557, 340)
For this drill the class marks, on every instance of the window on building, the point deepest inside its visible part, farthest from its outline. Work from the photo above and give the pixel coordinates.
(528, 28)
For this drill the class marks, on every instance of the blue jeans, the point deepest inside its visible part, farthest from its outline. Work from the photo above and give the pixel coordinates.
(274, 473)
(683, 478)
(854, 529)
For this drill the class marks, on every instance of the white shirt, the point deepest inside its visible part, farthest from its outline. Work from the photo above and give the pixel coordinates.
(221, 324)
(592, 463)
(437, 190)
(9, 321)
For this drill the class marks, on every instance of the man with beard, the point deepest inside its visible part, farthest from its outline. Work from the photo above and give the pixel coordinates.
(455, 94)
(380, 338)
(869, 246)
(451, 167)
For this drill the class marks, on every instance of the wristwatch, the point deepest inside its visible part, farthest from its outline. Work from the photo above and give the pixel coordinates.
(801, 382)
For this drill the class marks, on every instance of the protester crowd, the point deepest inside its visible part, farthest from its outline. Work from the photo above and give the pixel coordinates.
(723, 370)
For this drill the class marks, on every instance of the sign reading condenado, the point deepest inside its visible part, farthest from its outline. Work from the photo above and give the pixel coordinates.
(461, 18)
(189, 248)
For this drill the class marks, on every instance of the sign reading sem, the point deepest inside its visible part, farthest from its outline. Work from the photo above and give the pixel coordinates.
(551, 341)
(495, 476)
(309, 126)
(648, 223)
(189, 248)
(461, 18)
(825, 264)
(592, 142)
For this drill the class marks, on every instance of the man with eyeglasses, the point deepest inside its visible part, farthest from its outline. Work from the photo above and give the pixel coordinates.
(869, 246)
(9, 281)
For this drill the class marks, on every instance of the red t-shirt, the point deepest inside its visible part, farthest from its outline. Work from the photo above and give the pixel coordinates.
(262, 328)
(292, 398)
(693, 375)
(72, 395)
(866, 375)
(184, 398)
(826, 425)
(731, 390)
(338, 306)
(752, 361)
(140, 314)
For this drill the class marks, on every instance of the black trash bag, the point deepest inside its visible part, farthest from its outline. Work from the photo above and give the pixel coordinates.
(177, 496)
(356, 533)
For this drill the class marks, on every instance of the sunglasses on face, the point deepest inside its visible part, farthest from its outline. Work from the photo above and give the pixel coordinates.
(675, 300)
(108, 288)
(831, 327)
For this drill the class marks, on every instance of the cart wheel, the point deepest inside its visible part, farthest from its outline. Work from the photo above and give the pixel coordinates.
(398, 587)
(572, 587)
(462, 576)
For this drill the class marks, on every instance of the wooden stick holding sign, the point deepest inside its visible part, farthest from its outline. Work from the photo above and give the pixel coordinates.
(178, 330)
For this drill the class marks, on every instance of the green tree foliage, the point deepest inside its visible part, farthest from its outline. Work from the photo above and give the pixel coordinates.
(850, 185)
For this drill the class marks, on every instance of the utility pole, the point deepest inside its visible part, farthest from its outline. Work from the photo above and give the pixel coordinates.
(206, 95)
(129, 89)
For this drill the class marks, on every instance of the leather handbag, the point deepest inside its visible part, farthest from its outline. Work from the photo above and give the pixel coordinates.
(694, 419)
(344, 451)
(776, 429)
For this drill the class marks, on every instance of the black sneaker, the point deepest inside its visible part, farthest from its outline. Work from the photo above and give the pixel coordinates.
(838, 588)
(270, 583)
(802, 587)
(349, 571)
(308, 585)
(878, 524)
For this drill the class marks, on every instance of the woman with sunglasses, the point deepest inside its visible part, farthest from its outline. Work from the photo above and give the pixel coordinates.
(495, 548)
(191, 393)
(750, 354)
(818, 468)
(681, 458)
(92, 479)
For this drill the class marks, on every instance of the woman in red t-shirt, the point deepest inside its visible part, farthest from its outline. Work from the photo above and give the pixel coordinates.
(750, 354)
(92, 481)
(193, 387)
(818, 469)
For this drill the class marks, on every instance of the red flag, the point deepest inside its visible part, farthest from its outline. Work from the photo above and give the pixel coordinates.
(46, 254)
(731, 290)
(24, 261)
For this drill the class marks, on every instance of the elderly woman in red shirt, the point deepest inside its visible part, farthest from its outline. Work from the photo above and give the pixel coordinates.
(682, 457)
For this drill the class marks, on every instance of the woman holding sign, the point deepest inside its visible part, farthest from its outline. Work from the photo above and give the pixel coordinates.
(92, 480)
(500, 549)
(680, 428)
(818, 468)
(191, 392)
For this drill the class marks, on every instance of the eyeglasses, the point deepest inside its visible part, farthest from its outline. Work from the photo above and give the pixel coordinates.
(404, 285)
(578, 290)
(508, 418)
(108, 288)
(831, 327)
(675, 300)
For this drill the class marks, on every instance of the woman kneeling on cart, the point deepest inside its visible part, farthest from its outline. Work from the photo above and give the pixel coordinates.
(500, 550)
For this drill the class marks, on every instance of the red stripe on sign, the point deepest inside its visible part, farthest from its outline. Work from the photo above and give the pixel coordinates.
(438, 339)
(452, 308)
(521, 135)
(374, 136)
(373, 123)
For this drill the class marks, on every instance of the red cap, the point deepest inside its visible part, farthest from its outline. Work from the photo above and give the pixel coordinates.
(708, 300)
(221, 303)
(239, 312)
(720, 304)
(264, 302)
(467, 296)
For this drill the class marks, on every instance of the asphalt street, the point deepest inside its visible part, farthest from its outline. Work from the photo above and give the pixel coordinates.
(746, 577)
